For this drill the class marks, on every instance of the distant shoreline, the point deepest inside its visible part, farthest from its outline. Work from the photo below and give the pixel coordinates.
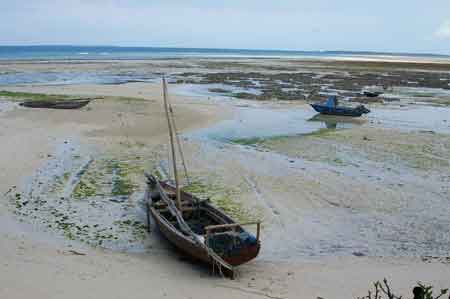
(53, 53)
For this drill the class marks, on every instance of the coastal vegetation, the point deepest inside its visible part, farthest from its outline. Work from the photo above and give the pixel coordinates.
(383, 290)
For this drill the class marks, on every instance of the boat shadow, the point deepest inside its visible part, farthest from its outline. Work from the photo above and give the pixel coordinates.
(337, 122)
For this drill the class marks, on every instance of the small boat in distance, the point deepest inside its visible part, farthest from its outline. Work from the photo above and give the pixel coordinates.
(57, 104)
(372, 94)
(194, 226)
(331, 108)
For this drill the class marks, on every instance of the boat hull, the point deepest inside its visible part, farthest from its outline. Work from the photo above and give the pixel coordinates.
(68, 104)
(186, 243)
(340, 111)
(187, 246)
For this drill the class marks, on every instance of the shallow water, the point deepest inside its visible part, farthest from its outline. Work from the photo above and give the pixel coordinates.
(67, 78)
(196, 90)
(418, 228)
(263, 122)
(6, 106)
(250, 122)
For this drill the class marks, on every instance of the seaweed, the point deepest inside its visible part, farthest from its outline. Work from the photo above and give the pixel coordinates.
(249, 141)
(122, 185)
(33, 96)
(84, 189)
(321, 133)
(223, 198)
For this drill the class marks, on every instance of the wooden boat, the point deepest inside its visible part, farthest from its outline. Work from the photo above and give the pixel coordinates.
(331, 108)
(57, 104)
(206, 224)
(194, 226)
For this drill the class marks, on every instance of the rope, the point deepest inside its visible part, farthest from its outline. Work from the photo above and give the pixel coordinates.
(215, 258)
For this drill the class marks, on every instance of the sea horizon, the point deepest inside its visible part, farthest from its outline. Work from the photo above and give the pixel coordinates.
(105, 52)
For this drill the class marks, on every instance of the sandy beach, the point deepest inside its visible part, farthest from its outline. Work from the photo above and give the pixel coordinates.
(343, 203)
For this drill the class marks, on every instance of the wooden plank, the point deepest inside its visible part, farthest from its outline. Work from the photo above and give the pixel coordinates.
(229, 225)
(164, 204)
(185, 209)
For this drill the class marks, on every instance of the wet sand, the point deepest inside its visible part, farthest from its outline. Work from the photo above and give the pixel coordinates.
(326, 197)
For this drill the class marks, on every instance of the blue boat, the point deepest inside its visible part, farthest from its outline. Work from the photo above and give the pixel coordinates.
(331, 108)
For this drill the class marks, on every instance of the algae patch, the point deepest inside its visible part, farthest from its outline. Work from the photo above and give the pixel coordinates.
(121, 182)
(415, 150)
(222, 197)
(249, 141)
(19, 96)
(137, 229)
(93, 203)
(84, 189)
(261, 141)
(29, 96)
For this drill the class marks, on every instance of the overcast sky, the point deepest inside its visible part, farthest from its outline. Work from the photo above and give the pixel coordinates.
(381, 25)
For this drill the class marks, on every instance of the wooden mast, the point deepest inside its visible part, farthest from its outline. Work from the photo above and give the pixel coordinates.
(174, 157)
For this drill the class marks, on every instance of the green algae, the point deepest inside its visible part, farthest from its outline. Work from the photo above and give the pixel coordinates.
(84, 189)
(111, 175)
(249, 141)
(18, 201)
(422, 157)
(338, 161)
(122, 187)
(13, 95)
(261, 141)
(421, 151)
(137, 229)
(321, 133)
(440, 101)
(30, 96)
(126, 99)
(222, 197)
(121, 182)
(66, 176)
(197, 187)
(232, 208)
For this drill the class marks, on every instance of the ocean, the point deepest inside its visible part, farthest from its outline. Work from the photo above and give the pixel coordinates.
(136, 53)
(120, 76)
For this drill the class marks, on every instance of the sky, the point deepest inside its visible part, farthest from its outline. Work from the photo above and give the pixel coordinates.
(413, 26)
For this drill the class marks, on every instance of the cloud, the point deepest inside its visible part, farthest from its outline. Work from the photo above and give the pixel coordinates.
(443, 31)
